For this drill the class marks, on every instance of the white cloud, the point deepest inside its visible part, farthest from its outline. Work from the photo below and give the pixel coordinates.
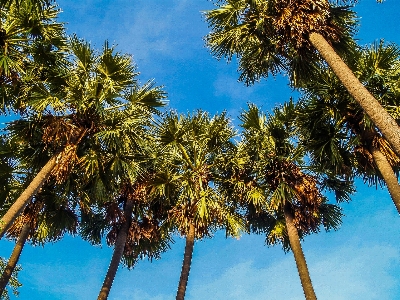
(346, 272)
(247, 281)
(228, 86)
(357, 273)
(129, 294)
(162, 29)
(67, 281)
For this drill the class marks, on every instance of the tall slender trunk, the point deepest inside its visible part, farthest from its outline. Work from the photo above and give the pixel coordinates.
(12, 262)
(118, 251)
(15, 210)
(187, 260)
(299, 255)
(388, 175)
(381, 118)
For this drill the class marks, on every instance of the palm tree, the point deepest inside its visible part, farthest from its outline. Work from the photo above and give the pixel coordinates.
(283, 197)
(115, 186)
(133, 222)
(46, 219)
(98, 89)
(342, 131)
(269, 36)
(190, 148)
(134, 230)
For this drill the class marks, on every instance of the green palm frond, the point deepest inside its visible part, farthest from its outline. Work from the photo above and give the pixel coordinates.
(148, 94)
(235, 224)
(93, 227)
(83, 53)
(280, 196)
(342, 188)
(225, 39)
(116, 70)
(277, 233)
(253, 119)
(331, 216)
(257, 198)
(23, 26)
(42, 99)
(170, 129)
(53, 224)
(380, 57)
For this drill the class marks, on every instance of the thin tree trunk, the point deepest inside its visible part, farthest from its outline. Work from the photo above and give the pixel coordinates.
(19, 204)
(187, 260)
(118, 251)
(388, 175)
(299, 256)
(381, 118)
(12, 262)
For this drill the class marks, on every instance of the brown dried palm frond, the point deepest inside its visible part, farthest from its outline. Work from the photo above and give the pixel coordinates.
(140, 231)
(59, 131)
(306, 197)
(136, 192)
(112, 236)
(365, 161)
(201, 176)
(184, 215)
(114, 214)
(308, 201)
(295, 20)
(30, 215)
(384, 146)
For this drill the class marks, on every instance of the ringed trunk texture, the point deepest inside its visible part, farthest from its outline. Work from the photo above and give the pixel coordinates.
(381, 118)
(388, 175)
(16, 253)
(118, 251)
(19, 204)
(299, 256)
(187, 260)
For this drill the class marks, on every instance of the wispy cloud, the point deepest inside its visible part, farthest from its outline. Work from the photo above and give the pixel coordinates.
(66, 281)
(343, 273)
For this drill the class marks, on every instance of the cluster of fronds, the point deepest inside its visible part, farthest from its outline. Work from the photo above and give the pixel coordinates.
(288, 183)
(271, 36)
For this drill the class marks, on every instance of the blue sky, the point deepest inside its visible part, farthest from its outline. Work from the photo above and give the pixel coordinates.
(360, 261)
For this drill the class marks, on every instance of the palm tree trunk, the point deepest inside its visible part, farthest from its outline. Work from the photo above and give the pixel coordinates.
(187, 260)
(299, 255)
(388, 175)
(15, 210)
(118, 251)
(12, 262)
(381, 118)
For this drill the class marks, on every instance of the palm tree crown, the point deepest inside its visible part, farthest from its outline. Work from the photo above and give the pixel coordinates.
(272, 36)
